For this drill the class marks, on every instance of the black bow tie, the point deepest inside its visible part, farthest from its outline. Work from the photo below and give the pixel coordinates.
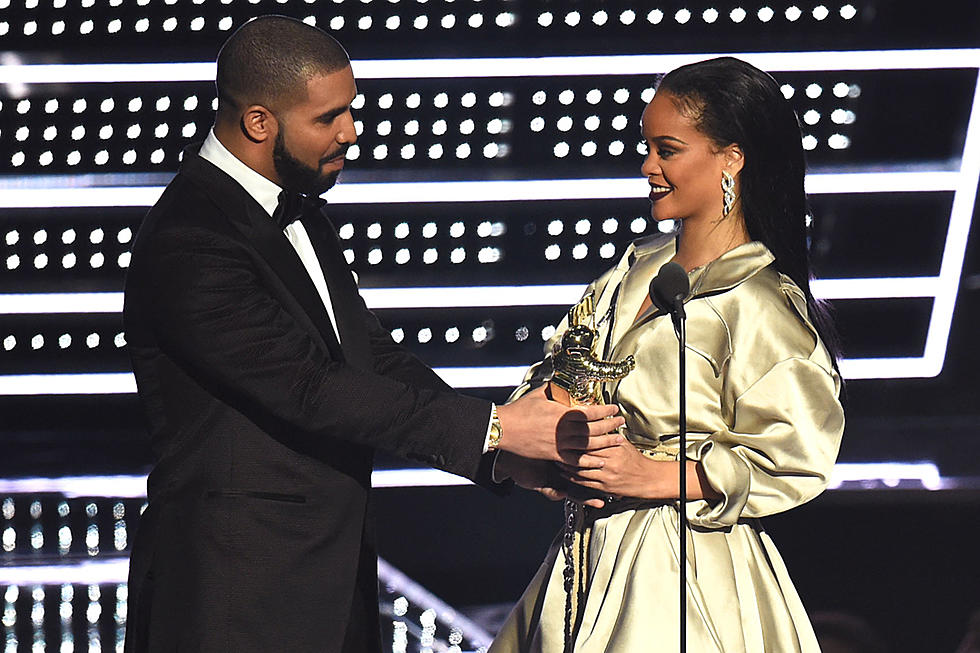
(293, 206)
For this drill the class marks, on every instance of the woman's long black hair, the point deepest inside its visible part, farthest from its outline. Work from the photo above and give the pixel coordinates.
(731, 101)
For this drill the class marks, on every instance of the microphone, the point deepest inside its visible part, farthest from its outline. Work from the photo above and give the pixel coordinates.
(669, 289)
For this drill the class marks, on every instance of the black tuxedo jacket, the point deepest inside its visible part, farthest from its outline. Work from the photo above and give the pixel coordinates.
(258, 534)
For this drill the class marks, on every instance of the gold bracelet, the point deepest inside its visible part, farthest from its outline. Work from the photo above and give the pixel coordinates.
(496, 430)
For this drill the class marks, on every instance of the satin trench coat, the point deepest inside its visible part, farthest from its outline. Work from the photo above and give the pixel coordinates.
(765, 422)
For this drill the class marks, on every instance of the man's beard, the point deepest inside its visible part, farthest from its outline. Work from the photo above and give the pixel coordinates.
(296, 175)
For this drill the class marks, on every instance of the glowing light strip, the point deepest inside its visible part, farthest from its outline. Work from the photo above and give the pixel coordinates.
(468, 296)
(415, 478)
(882, 288)
(57, 197)
(435, 192)
(472, 297)
(90, 572)
(105, 383)
(458, 377)
(483, 377)
(884, 368)
(951, 269)
(889, 473)
(125, 383)
(599, 66)
(46, 303)
(74, 487)
(134, 486)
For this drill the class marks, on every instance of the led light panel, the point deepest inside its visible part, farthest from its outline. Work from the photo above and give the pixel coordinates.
(942, 288)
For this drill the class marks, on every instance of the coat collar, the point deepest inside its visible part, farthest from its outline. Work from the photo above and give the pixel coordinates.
(730, 269)
(725, 272)
(253, 222)
(645, 257)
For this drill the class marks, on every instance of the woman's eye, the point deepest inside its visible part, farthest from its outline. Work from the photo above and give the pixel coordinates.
(665, 154)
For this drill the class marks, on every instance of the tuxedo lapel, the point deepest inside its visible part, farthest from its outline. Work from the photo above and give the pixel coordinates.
(344, 296)
(268, 240)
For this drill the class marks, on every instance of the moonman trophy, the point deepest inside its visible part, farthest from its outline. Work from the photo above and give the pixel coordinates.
(578, 374)
(576, 380)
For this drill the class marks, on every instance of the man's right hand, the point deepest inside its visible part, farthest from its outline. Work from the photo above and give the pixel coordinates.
(536, 427)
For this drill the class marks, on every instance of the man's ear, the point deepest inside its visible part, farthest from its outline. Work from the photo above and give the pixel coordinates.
(259, 124)
(734, 158)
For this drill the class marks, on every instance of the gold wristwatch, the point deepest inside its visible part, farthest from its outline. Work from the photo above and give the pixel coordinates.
(496, 430)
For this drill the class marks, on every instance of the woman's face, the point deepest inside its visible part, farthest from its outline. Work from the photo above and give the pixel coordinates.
(682, 165)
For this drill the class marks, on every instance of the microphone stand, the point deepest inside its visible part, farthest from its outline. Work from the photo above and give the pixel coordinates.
(668, 290)
(680, 322)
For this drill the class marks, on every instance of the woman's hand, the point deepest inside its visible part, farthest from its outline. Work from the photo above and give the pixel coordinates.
(619, 471)
(622, 471)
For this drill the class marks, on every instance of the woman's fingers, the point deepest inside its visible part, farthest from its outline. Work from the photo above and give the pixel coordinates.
(583, 462)
(593, 443)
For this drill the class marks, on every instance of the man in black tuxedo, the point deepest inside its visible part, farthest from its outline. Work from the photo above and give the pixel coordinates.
(268, 384)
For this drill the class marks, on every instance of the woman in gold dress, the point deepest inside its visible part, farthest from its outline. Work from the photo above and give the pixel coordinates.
(725, 162)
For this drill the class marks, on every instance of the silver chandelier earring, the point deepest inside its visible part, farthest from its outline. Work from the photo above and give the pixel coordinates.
(728, 190)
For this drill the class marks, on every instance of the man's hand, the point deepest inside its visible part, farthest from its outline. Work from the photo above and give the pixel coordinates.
(536, 427)
(538, 475)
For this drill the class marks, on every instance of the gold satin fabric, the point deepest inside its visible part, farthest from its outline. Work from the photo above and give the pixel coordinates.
(764, 420)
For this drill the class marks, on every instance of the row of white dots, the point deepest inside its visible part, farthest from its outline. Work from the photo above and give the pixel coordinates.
(457, 255)
(402, 230)
(120, 541)
(814, 90)
(589, 148)
(66, 590)
(69, 236)
(837, 116)
(439, 127)
(684, 16)
(69, 261)
(9, 509)
(100, 158)
(591, 123)
(78, 132)
(583, 226)
(592, 96)
(834, 142)
(65, 340)
(65, 537)
(226, 23)
(440, 100)
(484, 255)
(435, 151)
(387, 100)
(479, 334)
(107, 105)
(409, 151)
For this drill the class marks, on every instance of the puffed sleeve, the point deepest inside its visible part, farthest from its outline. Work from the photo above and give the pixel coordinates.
(781, 449)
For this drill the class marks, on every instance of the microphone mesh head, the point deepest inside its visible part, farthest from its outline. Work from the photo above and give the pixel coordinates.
(670, 286)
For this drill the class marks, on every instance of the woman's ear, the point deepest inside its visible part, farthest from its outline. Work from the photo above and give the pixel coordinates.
(259, 124)
(734, 158)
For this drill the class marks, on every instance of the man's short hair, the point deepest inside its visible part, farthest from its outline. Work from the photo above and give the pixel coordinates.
(270, 59)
